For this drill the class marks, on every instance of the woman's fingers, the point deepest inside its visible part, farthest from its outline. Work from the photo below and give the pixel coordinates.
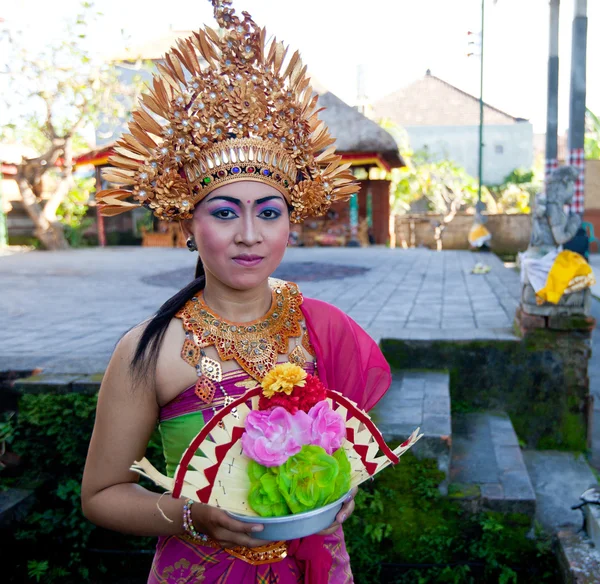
(231, 524)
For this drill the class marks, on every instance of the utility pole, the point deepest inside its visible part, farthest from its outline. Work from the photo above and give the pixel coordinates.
(577, 101)
(552, 111)
(3, 229)
(481, 106)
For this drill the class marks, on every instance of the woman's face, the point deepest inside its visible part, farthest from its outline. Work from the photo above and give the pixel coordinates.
(241, 230)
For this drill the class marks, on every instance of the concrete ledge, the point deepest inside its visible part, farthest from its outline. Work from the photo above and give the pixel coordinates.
(578, 559)
(592, 524)
(418, 399)
(59, 384)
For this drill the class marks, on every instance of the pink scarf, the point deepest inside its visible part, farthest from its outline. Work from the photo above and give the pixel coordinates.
(348, 361)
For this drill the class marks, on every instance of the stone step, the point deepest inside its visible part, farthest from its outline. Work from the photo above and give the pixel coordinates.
(487, 470)
(14, 504)
(418, 399)
(558, 480)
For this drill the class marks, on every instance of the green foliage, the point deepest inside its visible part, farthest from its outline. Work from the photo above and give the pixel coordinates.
(52, 435)
(514, 193)
(403, 531)
(442, 183)
(56, 94)
(592, 136)
(145, 222)
(73, 209)
(59, 89)
(7, 428)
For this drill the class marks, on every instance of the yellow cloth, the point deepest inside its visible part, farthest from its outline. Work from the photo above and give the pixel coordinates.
(567, 266)
(478, 235)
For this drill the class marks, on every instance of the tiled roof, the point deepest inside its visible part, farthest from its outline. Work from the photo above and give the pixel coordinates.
(432, 101)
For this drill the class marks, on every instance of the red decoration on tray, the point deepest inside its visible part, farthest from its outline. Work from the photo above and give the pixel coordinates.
(301, 398)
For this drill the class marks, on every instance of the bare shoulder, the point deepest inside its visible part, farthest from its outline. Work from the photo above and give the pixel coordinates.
(120, 372)
(173, 374)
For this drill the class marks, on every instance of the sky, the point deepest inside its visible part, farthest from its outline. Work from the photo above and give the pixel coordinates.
(395, 41)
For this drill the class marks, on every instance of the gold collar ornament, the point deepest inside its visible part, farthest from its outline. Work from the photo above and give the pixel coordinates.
(255, 346)
(225, 107)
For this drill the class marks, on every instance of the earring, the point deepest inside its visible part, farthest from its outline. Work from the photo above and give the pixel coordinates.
(191, 244)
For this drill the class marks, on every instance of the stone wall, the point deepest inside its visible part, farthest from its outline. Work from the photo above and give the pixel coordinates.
(592, 184)
(510, 233)
(540, 381)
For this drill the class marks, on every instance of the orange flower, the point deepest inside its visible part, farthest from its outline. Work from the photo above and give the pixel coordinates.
(283, 377)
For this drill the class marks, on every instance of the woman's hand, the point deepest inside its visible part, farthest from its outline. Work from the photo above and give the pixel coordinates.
(225, 530)
(345, 512)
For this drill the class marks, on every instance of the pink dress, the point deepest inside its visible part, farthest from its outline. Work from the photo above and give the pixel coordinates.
(348, 361)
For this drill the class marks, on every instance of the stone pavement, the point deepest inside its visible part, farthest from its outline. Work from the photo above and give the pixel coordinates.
(64, 311)
(558, 479)
(595, 263)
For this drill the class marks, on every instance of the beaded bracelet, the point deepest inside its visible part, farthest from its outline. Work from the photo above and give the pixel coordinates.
(188, 525)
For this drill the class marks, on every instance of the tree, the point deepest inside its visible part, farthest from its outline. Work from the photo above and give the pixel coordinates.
(54, 94)
(515, 193)
(445, 186)
(592, 136)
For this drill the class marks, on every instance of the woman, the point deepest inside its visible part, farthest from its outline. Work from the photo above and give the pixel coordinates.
(236, 158)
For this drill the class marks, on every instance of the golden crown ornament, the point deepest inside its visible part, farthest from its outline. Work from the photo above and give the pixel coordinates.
(226, 107)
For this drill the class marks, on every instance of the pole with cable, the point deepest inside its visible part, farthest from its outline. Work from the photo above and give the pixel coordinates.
(480, 174)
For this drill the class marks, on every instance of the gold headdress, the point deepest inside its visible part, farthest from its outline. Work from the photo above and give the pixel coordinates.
(226, 108)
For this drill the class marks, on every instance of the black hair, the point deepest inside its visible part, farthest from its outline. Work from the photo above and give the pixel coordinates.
(146, 353)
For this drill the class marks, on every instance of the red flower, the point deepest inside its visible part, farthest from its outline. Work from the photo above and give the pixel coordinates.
(301, 398)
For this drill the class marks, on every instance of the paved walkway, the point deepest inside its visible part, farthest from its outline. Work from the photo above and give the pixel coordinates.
(64, 311)
(595, 263)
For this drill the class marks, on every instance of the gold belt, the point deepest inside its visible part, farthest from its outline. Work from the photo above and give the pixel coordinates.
(264, 554)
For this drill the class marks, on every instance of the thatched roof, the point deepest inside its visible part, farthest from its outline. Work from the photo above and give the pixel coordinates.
(354, 132)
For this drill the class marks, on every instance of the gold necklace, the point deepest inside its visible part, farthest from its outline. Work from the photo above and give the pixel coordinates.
(255, 346)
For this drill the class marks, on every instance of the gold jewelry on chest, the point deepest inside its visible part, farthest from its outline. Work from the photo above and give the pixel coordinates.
(255, 346)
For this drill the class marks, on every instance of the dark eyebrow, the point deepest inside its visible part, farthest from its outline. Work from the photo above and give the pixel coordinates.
(238, 202)
(228, 199)
(269, 198)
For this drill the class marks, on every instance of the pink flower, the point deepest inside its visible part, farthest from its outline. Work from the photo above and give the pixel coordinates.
(272, 436)
(328, 427)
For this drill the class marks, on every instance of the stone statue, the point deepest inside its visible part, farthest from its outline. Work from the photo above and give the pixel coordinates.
(552, 226)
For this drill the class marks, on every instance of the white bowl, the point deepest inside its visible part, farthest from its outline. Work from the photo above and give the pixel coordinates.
(289, 527)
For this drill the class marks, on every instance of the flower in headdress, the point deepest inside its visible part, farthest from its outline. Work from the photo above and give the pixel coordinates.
(190, 153)
(308, 197)
(283, 378)
(171, 189)
(246, 104)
